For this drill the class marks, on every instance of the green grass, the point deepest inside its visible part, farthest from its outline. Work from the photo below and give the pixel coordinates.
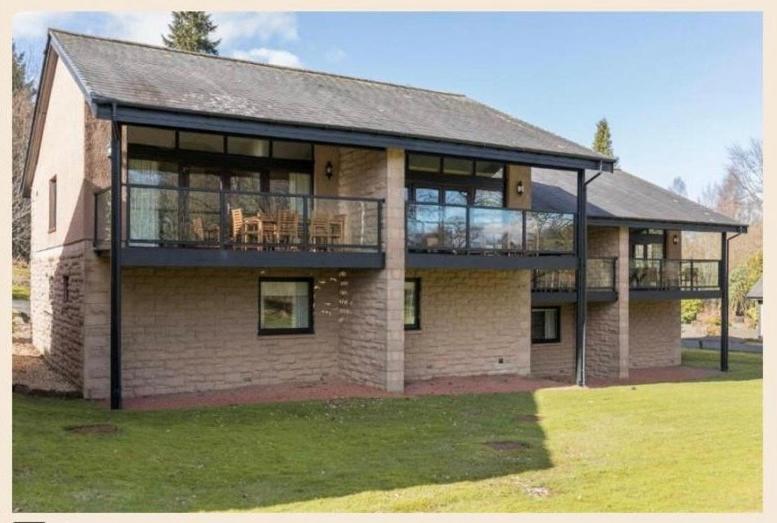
(20, 289)
(665, 447)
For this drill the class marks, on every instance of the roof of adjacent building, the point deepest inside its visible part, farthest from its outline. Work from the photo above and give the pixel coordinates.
(149, 76)
(757, 292)
(623, 196)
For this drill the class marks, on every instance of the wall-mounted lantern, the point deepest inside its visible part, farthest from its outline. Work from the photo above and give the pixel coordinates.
(329, 170)
(519, 188)
(675, 239)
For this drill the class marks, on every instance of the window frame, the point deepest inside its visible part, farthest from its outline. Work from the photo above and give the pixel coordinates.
(310, 329)
(416, 325)
(469, 182)
(53, 203)
(541, 341)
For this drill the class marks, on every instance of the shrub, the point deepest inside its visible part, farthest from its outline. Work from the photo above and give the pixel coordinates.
(690, 309)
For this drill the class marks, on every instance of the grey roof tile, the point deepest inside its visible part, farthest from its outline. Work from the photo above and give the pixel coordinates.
(620, 195)
(139, 74)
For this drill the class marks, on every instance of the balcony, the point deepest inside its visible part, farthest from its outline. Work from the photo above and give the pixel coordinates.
(559, 286)
(435, 232)
(198, 227)
(661, 278)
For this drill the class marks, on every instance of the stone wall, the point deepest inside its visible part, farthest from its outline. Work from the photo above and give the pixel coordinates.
(472, 322)
(557, 360)
(196, 329)
(654, 331)
(372, 335)
(56, 307)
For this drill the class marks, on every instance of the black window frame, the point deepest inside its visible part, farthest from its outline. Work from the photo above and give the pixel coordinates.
(416, 325)
(469, 182)
(540, 341)
(310, 329)
(53, 203)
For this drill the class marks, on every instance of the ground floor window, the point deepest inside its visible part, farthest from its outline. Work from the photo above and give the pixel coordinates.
(545, 325)
(412, 303)
(285, 305)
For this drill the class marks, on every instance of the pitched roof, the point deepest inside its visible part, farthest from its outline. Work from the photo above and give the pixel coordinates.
(757, 292)
(620, 195)
(150, 76)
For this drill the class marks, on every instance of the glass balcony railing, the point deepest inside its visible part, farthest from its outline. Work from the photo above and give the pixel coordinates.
(460, 229)
(600, 276)
(686, 275)
(185, 217)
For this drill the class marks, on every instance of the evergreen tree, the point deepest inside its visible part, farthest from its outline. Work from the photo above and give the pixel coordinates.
(603, 139)
(190, 31)
(19, 75)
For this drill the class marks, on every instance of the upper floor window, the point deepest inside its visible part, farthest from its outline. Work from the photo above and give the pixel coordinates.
(455, 181)
(53, 204)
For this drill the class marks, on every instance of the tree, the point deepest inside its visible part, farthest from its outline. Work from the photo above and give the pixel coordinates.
(745, 171)
(21, 118)
(678, 187)
(603, 138)
(190, 31)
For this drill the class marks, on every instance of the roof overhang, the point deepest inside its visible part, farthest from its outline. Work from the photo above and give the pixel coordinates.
(142, 115)
(667, 224)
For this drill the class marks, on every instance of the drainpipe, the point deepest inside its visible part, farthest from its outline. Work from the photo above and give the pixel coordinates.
(723, 283)
(116, 236)
(581, 275)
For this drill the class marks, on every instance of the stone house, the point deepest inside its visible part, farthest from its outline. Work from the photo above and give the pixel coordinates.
(204, 223)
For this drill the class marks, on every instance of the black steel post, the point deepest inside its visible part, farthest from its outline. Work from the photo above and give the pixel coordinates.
(723, 282)
(116, 237)
(580, 279)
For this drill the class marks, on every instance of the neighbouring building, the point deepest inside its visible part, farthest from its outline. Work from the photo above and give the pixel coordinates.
(204, 223)
(756, 294)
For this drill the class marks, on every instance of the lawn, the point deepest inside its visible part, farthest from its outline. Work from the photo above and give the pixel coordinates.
(21, 281)
(664, 447)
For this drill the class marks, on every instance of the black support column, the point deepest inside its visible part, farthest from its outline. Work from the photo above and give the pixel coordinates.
(723, 282)
(116, 236)
(580, 280)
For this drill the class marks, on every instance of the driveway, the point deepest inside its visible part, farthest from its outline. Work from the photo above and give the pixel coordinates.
(713, 343)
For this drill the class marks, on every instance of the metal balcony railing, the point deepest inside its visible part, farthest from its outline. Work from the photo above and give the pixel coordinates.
(185, 217)
(685, 275)
(600, 276)
(463, 229)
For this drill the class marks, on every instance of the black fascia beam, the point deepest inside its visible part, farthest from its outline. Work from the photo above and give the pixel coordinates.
(140, 115)
(672, 225)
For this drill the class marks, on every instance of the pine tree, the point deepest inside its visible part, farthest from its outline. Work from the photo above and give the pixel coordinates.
(19, 75)
(190, 31)
(603, 139)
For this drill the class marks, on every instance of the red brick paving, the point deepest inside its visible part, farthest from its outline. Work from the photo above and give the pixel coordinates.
(437, 386)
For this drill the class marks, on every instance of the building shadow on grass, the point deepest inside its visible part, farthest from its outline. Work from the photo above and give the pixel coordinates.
(259, 456)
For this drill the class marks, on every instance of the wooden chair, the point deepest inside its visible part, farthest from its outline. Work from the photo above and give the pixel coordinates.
(319, 232)
(237, 225)
(288, 226)
(337, 229)
(202, 233)
(269, 228)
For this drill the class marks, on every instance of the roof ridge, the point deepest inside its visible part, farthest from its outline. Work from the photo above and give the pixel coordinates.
(257, 64)
(535, 127)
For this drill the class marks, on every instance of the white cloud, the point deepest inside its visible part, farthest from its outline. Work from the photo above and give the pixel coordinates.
(269, 56)
(34, 24)
(252, 25)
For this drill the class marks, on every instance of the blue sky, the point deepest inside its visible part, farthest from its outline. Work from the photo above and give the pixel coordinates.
(677, 88)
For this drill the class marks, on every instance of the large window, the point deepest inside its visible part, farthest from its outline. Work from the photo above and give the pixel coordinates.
(285, 305)
(412, 304)
(53, 204)
(455, 181)
(545, 325)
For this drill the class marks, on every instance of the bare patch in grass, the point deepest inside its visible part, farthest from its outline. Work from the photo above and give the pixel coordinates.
(94, 428)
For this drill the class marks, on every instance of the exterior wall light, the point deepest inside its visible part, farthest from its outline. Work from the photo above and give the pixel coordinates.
(329, 170)
(675, 239)
(519, 188)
